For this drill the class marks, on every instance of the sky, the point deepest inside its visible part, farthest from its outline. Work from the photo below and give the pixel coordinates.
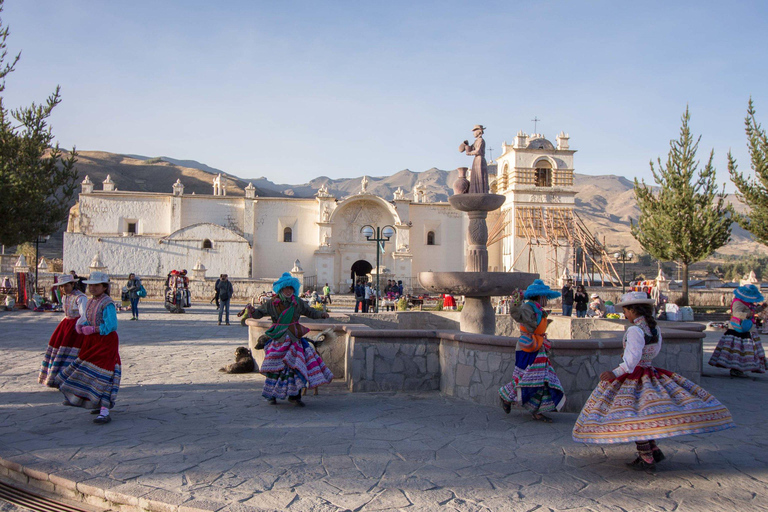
(294, 90)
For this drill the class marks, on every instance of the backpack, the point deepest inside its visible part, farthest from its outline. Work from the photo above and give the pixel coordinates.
(142, 291)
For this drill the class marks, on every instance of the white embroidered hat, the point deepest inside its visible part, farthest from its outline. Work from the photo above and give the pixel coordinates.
(97, 278)
(65, 279)
(634, 298)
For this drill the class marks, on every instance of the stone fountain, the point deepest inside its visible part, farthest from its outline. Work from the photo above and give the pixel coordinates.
(476, 284)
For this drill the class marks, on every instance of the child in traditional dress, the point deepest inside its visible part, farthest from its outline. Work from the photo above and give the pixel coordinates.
(65, 342)
(535, 385)
(738, 349)
(92, 381)
(290, 362)
(640, 403)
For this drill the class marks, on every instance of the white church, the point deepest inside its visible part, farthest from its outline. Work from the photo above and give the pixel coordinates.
(260, 237)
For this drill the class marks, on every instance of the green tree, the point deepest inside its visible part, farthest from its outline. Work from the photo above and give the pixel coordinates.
(687, 219)
(753, 191)
(36, 181)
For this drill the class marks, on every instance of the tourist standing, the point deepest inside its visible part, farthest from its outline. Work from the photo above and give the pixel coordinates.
(580, 300)
(93, 379)
(567, 294)
(290, 361)
(65, 342)
(738, 349)
(327, 294)
(359, 296)
(534, 384)
(368, 298)
(225, 291)
(133, 286)
(639, 403)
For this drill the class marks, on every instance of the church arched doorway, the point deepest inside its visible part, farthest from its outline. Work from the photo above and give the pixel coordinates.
(360, 268)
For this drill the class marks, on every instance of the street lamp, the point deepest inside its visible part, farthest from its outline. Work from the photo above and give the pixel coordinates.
(623, 256)
(382, 235)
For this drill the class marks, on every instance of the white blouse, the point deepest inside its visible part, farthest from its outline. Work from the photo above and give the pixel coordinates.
(635, 350)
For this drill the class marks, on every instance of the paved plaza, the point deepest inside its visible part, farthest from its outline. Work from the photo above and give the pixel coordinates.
(186, 437)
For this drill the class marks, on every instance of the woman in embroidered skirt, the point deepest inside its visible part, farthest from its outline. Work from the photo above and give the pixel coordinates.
(534, 384)
(92, 381)
(738, 349)
(290, 361)
(65, 342)
(640, 403)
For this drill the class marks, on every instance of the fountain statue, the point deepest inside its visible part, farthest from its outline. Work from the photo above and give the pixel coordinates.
(476, 284)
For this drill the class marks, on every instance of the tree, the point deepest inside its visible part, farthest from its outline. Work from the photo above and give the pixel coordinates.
(753, 192)
(36, 181)
(687, 219)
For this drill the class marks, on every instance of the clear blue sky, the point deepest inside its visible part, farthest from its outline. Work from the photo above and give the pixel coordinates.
(297, 89)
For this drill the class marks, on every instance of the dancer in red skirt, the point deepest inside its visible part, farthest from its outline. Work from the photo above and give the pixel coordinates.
(65, 342)
(93, 380)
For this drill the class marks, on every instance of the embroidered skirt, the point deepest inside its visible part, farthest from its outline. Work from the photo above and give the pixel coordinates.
(62, 351)
(739, 351)
(534, 384)
(93, 379)
(290, 366)
(650, 403)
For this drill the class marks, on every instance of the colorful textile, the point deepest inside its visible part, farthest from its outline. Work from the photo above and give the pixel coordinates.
(286, 280)
(649, 403)
(534, 384)
(63, 349)
(102, 313)
(739, 351)
(533, 341)
(284, 321)
(93, 379)
(749, 293)
(539, 289)
(290, 366)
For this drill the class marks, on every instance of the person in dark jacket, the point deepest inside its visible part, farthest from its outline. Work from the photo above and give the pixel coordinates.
(567, 293)
(133, 286)
(226, 291)
(580, 300)
(359, 296)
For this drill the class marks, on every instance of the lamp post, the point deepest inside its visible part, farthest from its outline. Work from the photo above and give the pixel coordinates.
(382, 235)
(623, 256)
(39, 240)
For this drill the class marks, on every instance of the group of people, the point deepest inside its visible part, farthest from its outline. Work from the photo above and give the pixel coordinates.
(634, 402)
(584, 304)
(177, 295)
(366, 294)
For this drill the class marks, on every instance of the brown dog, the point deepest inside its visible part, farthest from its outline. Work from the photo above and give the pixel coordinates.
(244, 362)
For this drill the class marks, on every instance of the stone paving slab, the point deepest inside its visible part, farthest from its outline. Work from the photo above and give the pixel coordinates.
(187, 438)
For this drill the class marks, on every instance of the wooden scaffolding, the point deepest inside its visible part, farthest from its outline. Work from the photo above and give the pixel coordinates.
(556, 230)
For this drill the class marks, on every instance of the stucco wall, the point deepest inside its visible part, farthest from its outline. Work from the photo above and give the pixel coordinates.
(146, 256)
(449, 226)
(103, 213)
(272, 256)
(212, 209)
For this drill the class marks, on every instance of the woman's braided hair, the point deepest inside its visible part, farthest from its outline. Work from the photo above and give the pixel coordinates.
(646, 311)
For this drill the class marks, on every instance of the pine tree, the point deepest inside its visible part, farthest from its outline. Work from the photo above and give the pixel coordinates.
(753, 192)
(687, 219)
(36, 181)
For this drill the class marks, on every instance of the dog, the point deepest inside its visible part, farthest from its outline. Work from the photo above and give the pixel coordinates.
(244, 362)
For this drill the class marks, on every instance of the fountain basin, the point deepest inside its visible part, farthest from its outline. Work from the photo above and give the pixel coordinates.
(475, 284)
(476, 202)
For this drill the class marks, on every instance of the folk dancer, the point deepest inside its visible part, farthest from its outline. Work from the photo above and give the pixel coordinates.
(534, 384)
(738, 349)
(640, 403)
(65, 342)
(290, 362)
(93, 379)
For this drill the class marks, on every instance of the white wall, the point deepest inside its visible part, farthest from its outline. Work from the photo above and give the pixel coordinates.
(213, 209)
(448, 253)
(102, 213)
(272, 256)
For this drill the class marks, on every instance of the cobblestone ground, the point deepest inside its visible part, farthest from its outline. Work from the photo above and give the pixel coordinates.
(183, 432)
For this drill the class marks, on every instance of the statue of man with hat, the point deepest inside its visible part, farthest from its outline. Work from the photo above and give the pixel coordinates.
(478, 180)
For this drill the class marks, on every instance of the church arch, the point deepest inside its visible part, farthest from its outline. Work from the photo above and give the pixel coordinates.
(287, 235)
(207, 244)
(339, 210)
(360, 268)
(544, 168)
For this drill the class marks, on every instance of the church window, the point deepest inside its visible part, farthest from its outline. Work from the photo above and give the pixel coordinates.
(543, 174)
(207, 244)
(431, 238)
(287, 235)
(132, 228)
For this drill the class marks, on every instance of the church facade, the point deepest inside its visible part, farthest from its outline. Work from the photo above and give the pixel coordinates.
(260, 237)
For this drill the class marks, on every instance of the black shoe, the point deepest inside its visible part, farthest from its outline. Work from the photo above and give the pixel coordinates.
(227, 323)
(506, 406)
(658, 456)
(296, 401)
(640, 464)
(95, 411)
(272, 401)
(102, 420)
(737, 373)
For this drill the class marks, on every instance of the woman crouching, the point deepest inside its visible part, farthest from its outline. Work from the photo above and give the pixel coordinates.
(93, 379)
(290, 362)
